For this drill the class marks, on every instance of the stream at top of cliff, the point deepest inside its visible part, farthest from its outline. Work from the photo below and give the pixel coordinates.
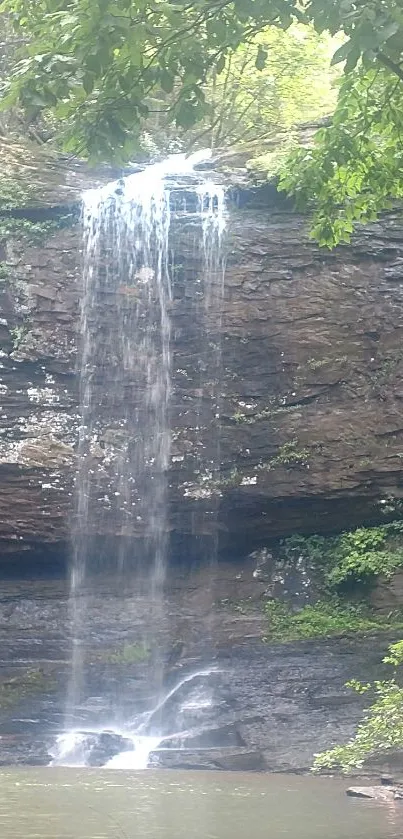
(96, 804)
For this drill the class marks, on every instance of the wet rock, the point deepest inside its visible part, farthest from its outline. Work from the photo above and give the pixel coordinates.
(105, 745)
(376, 793)
(241, 761)
(260, 699)
(310, 345)
(231, 760)
(210, 737)
(90, 748)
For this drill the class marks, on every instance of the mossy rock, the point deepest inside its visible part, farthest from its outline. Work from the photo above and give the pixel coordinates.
(15, 689)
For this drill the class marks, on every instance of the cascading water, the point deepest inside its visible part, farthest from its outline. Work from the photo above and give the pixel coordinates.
(124, 438)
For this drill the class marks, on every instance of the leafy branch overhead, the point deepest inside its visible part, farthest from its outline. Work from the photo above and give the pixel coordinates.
(102, 68)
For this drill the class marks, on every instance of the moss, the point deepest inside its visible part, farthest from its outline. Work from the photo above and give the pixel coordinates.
(324, 619)
(250, 419)
(271, 411)
(387, 368)
(4, 272)
(128, 654)
(290, 454)
(17, 688)
(317, 363)
(35, 232)
(14, 193)
(245, 606)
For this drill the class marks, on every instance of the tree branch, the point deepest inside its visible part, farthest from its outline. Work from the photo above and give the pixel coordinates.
(391, 65)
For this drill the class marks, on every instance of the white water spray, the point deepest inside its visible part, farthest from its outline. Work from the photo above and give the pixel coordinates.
(125, 388)
(76, 747)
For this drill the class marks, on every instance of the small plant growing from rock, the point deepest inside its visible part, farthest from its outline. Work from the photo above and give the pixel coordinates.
(128, 654)
(290, 454)
(17, 334)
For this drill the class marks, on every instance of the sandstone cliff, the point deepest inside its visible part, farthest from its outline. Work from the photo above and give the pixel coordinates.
(310, 379)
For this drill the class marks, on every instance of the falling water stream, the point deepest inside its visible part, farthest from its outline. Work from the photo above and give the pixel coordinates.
(125, 375)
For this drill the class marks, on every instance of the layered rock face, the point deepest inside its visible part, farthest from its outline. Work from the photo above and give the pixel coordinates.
(307, 372)
(272, 706)
(286, 417)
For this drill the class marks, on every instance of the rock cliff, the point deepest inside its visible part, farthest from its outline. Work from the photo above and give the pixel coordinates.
(309, 380)
(272, 706)
(304, 360)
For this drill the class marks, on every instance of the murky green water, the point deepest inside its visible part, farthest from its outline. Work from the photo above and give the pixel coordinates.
(93, 804)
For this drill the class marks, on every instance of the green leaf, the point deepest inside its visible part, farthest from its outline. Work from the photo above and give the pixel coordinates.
(261, 58)
(220, 64)
(342, 53)
(88, 82)
(167, 81)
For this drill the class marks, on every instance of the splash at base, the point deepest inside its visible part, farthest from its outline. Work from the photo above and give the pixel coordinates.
(131, 747)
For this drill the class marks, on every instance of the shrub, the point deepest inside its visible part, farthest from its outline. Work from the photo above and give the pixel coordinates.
(323, 619)
(382, 726)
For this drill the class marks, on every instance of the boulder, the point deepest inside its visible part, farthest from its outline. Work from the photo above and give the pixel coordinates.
(376, 793)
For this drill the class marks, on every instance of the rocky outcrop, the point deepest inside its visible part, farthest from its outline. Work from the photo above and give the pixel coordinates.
(263, 707)
(377, 793)
(309, 380)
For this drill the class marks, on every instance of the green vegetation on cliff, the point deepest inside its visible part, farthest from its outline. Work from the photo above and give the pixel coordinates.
(345, 569)
(350, 558)
(15, 689)
(326, 618)
(126, 655)
(382, 726)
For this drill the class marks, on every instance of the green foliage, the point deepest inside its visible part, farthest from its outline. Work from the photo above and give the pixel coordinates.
(35, 232)
(98, 65)
(395, 656)
(353, 171)
(290, 454)
(17, 688)
(13, 193)
(382, 725)
(353, 557)
(249, 103)
(363, 554)
(18, 334)
(324, 618)
(102, 69)
(128, 654)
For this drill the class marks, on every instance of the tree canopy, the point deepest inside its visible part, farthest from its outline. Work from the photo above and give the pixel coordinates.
(247, 106)
(102, 67)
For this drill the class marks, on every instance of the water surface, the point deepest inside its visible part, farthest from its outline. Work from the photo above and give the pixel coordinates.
(99, 804)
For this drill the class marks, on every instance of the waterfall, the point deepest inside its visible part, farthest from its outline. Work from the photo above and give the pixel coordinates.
(125, 384)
